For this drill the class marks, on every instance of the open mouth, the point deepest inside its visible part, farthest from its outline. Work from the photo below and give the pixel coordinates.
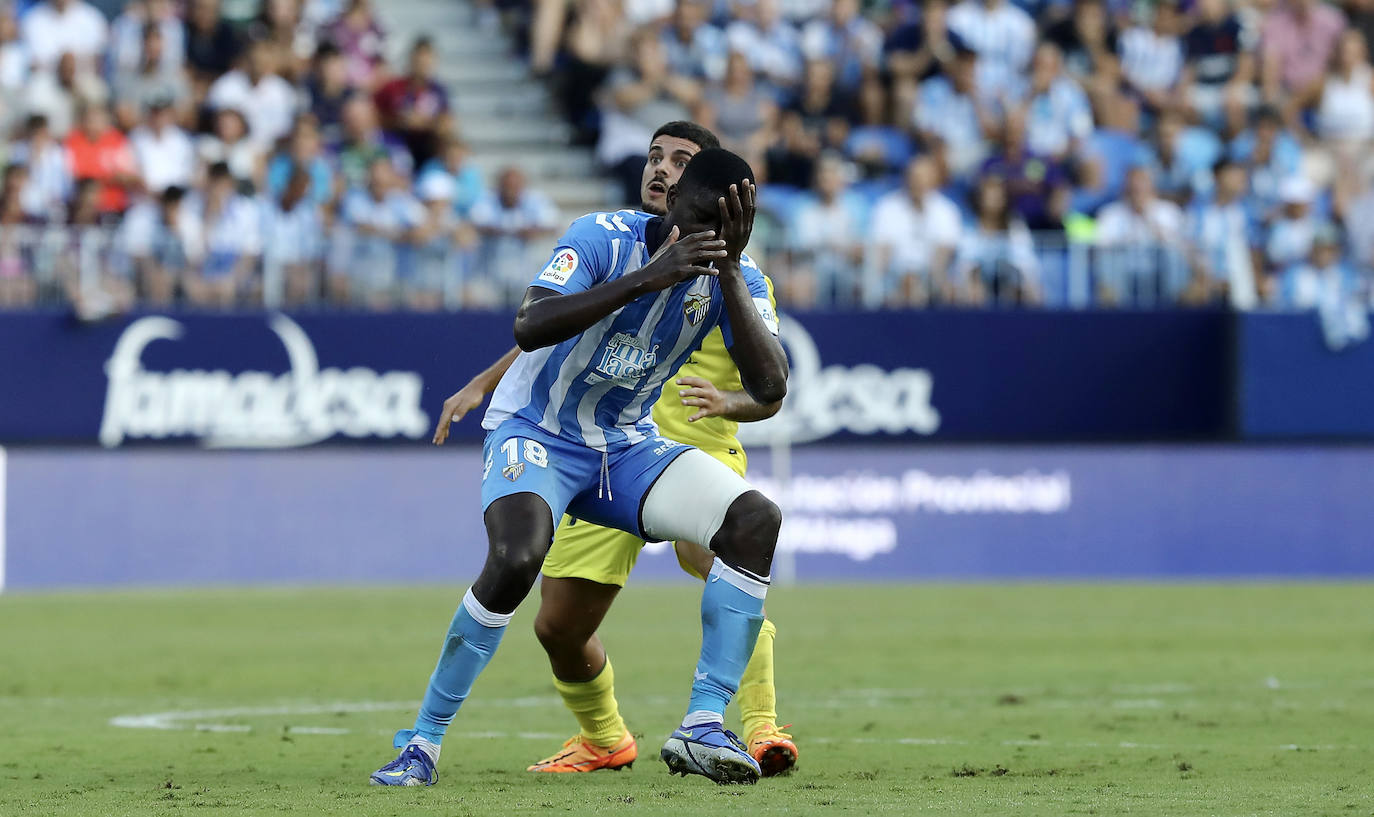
(657, 188)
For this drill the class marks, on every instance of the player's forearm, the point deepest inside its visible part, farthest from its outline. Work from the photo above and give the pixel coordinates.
(758, 355)
(548, 317)
(492, 375)
(742, 408)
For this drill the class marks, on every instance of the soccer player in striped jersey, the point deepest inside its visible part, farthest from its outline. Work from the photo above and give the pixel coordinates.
(588, 564)
(625, 299)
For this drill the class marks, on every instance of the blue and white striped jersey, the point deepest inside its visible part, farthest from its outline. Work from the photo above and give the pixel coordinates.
(598, 387)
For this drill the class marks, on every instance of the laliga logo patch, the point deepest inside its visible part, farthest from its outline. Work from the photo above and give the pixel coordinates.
(513, 472)
(561, 268)
(694, 308)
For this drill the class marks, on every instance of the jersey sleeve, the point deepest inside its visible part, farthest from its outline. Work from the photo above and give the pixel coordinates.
(582, 259)
(761, 291)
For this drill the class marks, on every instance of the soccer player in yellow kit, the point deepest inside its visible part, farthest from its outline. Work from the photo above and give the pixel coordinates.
(588, 564)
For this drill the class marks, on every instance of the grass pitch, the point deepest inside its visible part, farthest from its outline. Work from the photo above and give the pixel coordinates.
(967, 700)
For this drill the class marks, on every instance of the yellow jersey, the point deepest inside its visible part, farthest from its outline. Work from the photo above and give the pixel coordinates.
(712, 362)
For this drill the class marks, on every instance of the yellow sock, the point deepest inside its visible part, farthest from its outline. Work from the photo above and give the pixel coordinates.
(593, 704)
(758, 699)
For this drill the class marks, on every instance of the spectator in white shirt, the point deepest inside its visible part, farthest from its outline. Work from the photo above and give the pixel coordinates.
(163, 240)
(1139, 237)
(294, 240)
(442, 244)
(128, 37)
(1152, 57)
(231, 144)
(826, 237)
(1002, 34)
(267, 100)
(233, 244)
(49, 186)
(1290, 235)
(846, 38)
(164, 152)
(1223, 258)
(376, 221)
(14, 57)
(772, 44)
(510, 220)
(996, 259)
(913, 235)
(58, 94)
(138, 86)
(56, 27)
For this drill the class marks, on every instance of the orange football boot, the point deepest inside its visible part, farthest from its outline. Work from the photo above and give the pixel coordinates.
(577, 755)
(773, 749)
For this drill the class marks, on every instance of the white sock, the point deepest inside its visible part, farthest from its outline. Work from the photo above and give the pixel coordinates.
(701, 717)
(430, 748)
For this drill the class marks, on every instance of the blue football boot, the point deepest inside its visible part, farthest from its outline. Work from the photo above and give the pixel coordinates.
(411, 768)
(710, 751)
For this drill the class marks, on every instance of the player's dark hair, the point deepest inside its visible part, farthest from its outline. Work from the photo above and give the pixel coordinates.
(691, 131)
(711, 172)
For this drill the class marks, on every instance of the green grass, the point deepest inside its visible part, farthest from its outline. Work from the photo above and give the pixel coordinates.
(960, 700)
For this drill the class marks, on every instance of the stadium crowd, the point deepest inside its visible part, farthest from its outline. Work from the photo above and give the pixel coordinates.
(1192, 152)
(201, 153)
(1051, 152)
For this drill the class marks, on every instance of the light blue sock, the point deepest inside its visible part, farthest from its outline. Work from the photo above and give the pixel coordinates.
(472, 638)
(731, 615)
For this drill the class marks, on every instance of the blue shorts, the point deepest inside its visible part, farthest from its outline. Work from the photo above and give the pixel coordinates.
(520, 457)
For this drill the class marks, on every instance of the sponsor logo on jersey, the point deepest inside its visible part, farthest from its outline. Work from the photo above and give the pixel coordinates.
(253, 409)
(665, 445)
(626, 359)
(696, 307)
(561, 268)
(513, 472)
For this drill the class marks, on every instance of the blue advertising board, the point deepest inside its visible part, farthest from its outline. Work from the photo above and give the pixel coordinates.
(155, 516)
(1293, 384)
(274, 380)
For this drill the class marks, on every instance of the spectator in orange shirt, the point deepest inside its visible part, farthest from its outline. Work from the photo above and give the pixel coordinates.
(101, 153)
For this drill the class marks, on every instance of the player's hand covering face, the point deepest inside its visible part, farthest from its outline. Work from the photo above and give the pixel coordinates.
(682, 258)
(737, 218)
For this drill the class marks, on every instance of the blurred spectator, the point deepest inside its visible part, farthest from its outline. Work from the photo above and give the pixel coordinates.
(49, 178)
(95, 290)
(771, 43)
(163, 240)
(129, 37)
(233, 243)
(149, 81)
(100, 152)
(1001, 34)
(17, 287)
(913, 235)
(1220, 71)
(212, 44)
(741, 113)
(1152, 57)
(1058, 115)
(1290, 235)
(917, 50)
(455, 161)
(824, 111)
(230, 144)
(694, 48)
(414, 108)
(361, 41)
(1141, 237)
(1345, 110)
(826, 240)
(1321, 280)
(879, 148)
(327, 89)
(597, 39)
(636, 100)
(377, 219)
(1031, 183)
(952, 114)
(59, 93)
(1222, 235)
(1088, 39)
(1183, 158)
(164, 152)
(267, 100)
(52, 28)
(851, 42)
(294, 239)
(441, 241)
(364, 143)
(302, 154)
(996, 258)
(282, 23)
(1271, 154)
(510, 220)
(1296, 44)
(791, 159)
(15, 61)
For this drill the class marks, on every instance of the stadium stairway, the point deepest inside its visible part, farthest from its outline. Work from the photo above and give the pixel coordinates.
(504, 113)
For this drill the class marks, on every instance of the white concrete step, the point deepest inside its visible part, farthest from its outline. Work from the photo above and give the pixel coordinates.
(522, 129)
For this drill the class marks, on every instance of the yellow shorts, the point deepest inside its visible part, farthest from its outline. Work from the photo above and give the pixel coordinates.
(582, 550)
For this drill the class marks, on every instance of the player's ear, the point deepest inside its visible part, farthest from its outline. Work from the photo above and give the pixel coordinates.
(672, 196)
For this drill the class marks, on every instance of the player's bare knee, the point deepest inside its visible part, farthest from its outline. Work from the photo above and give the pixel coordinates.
(749, 534)
(555, 635)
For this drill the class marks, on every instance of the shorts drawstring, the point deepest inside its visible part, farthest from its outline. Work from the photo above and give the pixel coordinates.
(605, 478)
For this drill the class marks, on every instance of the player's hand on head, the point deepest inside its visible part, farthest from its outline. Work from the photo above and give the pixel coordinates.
(683, 257)
(460, 403)
(737, 217)
(702, 394)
